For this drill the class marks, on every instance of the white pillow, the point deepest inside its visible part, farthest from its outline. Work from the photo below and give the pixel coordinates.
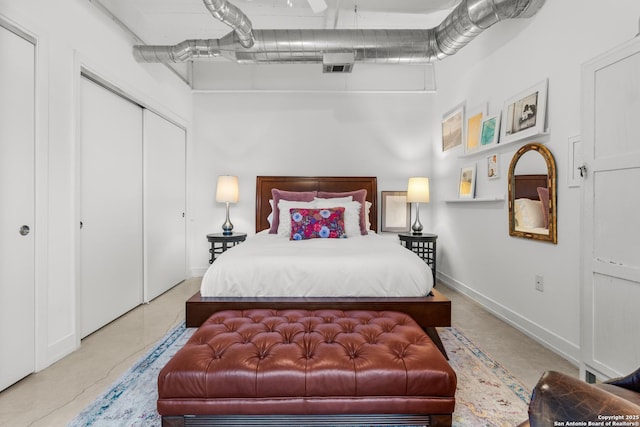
(335, 199)
(270, 216)
(351, 213)
(529, 213)
(284, 227)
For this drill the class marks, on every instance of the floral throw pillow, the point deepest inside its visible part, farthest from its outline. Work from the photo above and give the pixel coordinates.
(309, 223)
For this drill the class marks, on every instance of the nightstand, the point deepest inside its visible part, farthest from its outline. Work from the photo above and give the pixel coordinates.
(423, 245)
(220, 243)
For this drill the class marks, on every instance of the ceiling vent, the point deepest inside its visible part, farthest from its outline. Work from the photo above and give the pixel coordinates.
(338, 62)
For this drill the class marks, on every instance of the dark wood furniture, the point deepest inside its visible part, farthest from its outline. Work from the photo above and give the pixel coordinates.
(429, 311)
(423, 245)
(526, 186)
(221, 242)
(307, 367)
(336, 184)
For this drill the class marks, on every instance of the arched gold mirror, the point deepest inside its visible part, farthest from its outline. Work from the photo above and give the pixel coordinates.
(532, 194)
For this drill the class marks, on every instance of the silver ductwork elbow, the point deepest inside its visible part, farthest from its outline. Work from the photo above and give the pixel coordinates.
(472, 17)
(233, 17)
(461, 26)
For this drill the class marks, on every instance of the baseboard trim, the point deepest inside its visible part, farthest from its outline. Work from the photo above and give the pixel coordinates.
(550, 340)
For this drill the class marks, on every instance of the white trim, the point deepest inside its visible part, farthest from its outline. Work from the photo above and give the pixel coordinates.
(550, 340)
(107, 84)
(574, 160)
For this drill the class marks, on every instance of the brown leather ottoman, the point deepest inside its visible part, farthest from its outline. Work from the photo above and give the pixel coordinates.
(299, 367)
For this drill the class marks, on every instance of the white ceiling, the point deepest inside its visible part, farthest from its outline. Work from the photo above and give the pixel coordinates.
(172, 21)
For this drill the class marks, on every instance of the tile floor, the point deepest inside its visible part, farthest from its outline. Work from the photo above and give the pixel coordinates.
(55, 395)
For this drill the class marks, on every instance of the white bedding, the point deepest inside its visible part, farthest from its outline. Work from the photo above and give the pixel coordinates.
(533, 230)
(268, 265)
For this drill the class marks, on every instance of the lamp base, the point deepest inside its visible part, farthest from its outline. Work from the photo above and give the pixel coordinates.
(227, 227)
(416, 228)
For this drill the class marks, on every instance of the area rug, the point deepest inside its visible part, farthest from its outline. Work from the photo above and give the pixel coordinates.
(487, 394)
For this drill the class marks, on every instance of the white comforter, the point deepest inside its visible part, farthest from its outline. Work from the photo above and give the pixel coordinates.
(268, 265)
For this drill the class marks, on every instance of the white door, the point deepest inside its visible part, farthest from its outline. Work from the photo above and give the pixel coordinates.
(611, 258)
(164, 205)
(111, 206)
(17, 192)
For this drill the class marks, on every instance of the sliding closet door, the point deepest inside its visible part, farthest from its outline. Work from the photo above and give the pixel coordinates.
(111, 206)
(17, 190)
(164, 205)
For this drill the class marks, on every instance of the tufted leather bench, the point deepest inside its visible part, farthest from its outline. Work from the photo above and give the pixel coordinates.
(296, 367)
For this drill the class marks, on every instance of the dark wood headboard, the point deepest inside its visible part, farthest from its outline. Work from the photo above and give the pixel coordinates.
(527, 186)
(337, 184)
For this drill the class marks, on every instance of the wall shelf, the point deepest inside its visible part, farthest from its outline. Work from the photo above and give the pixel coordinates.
(477, 200)
(501, 146)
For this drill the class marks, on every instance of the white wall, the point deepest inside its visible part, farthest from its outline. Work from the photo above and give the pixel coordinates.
(72, 34)
(391, 136)
(305, 133)
(394, 136)
(477, 255)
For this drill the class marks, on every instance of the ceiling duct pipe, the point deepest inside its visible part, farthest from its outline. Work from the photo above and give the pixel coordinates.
(233, 17)
(462, 25)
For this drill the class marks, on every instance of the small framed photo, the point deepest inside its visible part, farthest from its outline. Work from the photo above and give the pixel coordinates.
(492, 167)
(525, 114)
(467, 183)
(474, 128)
(453, 128)
(490, 132)
(396, 211)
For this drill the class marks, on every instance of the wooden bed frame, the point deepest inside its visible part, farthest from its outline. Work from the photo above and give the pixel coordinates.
(429, 312)
(527, 186)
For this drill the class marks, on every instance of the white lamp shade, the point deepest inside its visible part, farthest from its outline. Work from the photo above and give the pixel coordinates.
(227, 189)
(418, 190)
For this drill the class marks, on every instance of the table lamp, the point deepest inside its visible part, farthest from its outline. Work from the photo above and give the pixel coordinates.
(227, 192)
(418, 192)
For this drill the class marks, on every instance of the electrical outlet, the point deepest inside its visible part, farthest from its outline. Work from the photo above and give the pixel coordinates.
(539, 281)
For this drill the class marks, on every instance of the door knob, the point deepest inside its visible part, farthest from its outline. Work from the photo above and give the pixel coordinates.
(583, 170)
(24, 230)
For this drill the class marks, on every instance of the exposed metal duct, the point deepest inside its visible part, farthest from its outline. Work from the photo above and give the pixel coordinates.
(233, 17)
(462, 25)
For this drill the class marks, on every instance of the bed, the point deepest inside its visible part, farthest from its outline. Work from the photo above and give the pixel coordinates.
(429, 311)
(528, 206)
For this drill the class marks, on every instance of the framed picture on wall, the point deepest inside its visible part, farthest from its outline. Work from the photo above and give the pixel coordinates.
(453, 128)
(490, 132)
(396, 211)
(492, 167)
(525, 114)
(475, 117)
(467, 182)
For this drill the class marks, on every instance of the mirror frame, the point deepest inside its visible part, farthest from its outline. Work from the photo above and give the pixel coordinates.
(551, 185)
